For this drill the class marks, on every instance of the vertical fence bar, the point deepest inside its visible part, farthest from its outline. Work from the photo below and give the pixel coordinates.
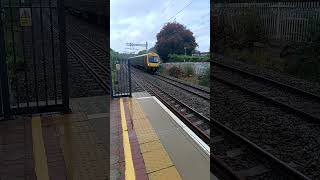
(3, 69)
(120, 77)
(125, 76)
(63, 55)
(13, 38)
(1, 52)
(53, 56)
(24, 61)
(110, 58)
(43, 54)
(129, 71)
(34, 58)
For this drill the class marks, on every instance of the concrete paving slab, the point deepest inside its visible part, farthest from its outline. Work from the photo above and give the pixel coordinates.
(190, 160)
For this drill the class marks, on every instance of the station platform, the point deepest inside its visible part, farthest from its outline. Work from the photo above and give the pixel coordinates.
(146, 142)
(150, 142)
(54, 146)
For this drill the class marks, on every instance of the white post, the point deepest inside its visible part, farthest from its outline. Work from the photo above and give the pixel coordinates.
(278, 21)
(146, 46)
(185, 53)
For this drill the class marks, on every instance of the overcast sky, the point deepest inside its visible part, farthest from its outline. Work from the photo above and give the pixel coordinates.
(139, 21)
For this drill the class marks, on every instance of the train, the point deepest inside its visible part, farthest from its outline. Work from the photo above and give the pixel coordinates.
(93, 10)
(149, 62)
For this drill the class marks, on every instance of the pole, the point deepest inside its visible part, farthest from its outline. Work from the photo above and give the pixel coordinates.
(146, 46)
(3, 68)
(185, 54)
(63, 56)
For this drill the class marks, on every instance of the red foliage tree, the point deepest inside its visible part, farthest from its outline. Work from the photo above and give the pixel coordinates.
(173, 38)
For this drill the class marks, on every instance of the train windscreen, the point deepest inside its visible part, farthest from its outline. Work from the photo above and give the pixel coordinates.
(153, 59)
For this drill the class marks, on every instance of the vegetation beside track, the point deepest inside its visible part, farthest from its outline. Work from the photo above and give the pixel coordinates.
(250, 44)
(187, 58)
(187, 73)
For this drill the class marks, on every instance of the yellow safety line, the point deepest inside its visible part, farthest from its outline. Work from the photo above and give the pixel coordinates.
(39, 154)
(129, 168)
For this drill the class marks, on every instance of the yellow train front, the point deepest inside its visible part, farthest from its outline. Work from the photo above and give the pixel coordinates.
(149, 62)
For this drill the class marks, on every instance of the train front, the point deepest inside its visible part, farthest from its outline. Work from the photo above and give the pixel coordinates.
(153, 62)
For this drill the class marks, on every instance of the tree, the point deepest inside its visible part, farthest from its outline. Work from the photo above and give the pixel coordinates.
(173, 38)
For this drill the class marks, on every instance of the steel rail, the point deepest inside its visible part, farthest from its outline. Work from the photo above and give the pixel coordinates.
(286, 86)
(195, 87)
(277, 162)
(101, 66)
(93, 43)
(85, 64)
(101, 81)
(283, 106)
(188, 90)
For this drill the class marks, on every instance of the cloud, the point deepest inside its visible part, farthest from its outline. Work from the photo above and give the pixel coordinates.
(140, 21)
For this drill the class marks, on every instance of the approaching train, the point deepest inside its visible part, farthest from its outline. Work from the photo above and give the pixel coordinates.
(149, 62)
(93, 10)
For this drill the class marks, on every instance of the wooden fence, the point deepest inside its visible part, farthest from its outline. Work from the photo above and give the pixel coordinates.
(288, 21)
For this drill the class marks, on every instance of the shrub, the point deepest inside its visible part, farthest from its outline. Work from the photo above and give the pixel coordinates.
(188, 70)
(175, 72)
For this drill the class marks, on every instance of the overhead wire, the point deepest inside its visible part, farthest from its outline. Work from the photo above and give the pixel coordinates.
(181, 10)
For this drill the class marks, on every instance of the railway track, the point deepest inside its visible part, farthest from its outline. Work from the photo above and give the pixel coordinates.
(187, 94)
(90, 63)
(91, 60)
(294, 100)
(200, 92)
(235, 157)
(273, 94)
(194, 120)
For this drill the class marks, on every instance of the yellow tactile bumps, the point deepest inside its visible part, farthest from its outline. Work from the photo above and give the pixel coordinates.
(157, 161)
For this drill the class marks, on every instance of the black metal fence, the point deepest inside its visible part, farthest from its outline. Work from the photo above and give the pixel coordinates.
(121, 77)
(33, 63)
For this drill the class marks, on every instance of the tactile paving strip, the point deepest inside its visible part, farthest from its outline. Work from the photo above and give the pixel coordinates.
(84, 157)
(157, 161)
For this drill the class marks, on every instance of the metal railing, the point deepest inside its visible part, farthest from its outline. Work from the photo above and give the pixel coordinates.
(33, 62)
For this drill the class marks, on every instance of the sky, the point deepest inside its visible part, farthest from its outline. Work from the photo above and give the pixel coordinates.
(139, 21)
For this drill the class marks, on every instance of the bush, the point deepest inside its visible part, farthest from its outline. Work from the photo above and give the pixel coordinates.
(175, 72)
(188, 70)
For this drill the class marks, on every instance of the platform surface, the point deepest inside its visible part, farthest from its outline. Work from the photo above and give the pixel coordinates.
(56, 146)
(191, 160)
(167, 150)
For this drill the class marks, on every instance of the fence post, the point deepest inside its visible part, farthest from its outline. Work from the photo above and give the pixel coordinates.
(3, 68)
(129, 71)
(111, 74)
(278, 21)
(63, 56)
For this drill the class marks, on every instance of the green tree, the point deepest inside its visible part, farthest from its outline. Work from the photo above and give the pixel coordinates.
(173, 38)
